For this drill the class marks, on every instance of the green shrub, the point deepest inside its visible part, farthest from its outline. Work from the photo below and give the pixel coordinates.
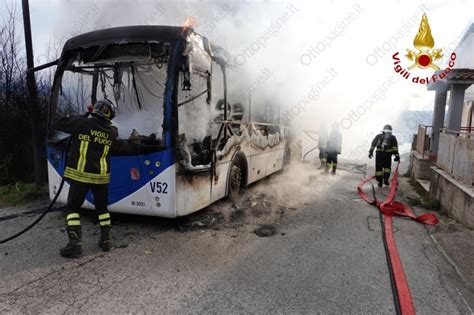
(20, 192)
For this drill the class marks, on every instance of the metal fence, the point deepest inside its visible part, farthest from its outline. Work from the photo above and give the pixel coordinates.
(456, 155)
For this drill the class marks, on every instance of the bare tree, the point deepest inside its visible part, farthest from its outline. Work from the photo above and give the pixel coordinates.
(16, 155)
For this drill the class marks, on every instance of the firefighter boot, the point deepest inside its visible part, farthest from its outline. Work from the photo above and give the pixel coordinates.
(333, 172)
(104, 243)
(386, 177)
(74, 248)
(326, 169)
(323, 165)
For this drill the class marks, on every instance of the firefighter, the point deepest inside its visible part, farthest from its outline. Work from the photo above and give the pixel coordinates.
(322, 144)
(88, 168)
(333, 149)
(386, 145)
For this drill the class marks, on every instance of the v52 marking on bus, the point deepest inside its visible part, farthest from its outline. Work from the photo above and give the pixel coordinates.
(159, 187)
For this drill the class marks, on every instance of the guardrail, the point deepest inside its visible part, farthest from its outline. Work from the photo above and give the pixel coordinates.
(456, 155)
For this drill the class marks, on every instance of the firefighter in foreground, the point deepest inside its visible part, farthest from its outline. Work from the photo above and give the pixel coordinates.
(88, 168)
(333, 148)
(386, 145)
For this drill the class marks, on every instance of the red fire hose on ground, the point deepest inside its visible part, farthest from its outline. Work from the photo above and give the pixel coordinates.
(389, 208)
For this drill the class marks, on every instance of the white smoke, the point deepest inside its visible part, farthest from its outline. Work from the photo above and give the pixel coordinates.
(319, 55)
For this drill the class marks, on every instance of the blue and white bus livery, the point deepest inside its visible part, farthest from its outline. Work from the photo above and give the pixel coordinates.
(179, 148)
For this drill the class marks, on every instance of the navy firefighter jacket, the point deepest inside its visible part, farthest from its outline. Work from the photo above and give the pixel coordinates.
(385, 143)
(89, 156)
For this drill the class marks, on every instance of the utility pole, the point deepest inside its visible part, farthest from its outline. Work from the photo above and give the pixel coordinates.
(36, 137)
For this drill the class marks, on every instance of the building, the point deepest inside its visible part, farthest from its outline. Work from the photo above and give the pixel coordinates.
(442, 159)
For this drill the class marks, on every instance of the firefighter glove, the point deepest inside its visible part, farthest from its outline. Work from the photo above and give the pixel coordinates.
(397, 158)
(371, 155)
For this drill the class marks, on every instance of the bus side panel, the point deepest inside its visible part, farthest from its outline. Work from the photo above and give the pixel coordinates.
(156, 198)
(143, 201)
(257, 166)
(193, 192)
(54, 180)
(275, 161)
(219, 187)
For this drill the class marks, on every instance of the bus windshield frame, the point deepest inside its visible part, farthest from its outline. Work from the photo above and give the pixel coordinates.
(111, 69)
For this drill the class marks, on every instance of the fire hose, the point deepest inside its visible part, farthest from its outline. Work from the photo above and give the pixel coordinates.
(46, 211)
(389, 208)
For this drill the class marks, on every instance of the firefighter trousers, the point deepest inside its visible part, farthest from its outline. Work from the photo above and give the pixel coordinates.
(76, 197)
(322, 154)
(383, 165)
(332, 159)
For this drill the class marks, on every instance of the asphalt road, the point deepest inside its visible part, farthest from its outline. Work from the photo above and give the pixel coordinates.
(326, 256)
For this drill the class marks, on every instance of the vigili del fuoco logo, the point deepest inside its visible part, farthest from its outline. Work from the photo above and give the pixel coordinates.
(424, 56)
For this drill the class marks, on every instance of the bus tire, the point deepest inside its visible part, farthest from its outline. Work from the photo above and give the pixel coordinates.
(237, 177)
(235, 182)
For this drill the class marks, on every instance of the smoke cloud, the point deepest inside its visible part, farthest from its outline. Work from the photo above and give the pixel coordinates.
(307, 61)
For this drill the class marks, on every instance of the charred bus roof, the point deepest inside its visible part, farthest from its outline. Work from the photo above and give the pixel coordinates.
(154, 35)
(126, 35)
(141, 41)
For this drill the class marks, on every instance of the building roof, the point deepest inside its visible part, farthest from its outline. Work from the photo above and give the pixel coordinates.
(455, 76)
(461, 74)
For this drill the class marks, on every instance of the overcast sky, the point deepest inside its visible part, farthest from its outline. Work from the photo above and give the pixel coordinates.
(354, 42)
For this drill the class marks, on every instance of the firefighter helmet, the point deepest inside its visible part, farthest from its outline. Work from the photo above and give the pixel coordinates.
(387, 128)
(105, 109)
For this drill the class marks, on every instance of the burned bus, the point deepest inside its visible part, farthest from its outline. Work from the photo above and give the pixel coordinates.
(183, 142)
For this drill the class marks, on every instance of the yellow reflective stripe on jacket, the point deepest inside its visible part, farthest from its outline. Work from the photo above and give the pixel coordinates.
(88, 175)
(81, 163)
(103, 160)
(85, 177)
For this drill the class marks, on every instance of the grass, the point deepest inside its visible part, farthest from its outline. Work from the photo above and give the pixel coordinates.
(431, 204)
(426, 202)
(414, 201)
(20, 193)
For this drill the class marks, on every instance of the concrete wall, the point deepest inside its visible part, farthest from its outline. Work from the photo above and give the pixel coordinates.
(456, 157)
(420, 168)
(457, 201)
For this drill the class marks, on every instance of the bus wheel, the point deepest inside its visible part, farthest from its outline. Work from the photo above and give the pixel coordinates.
(235, 182)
